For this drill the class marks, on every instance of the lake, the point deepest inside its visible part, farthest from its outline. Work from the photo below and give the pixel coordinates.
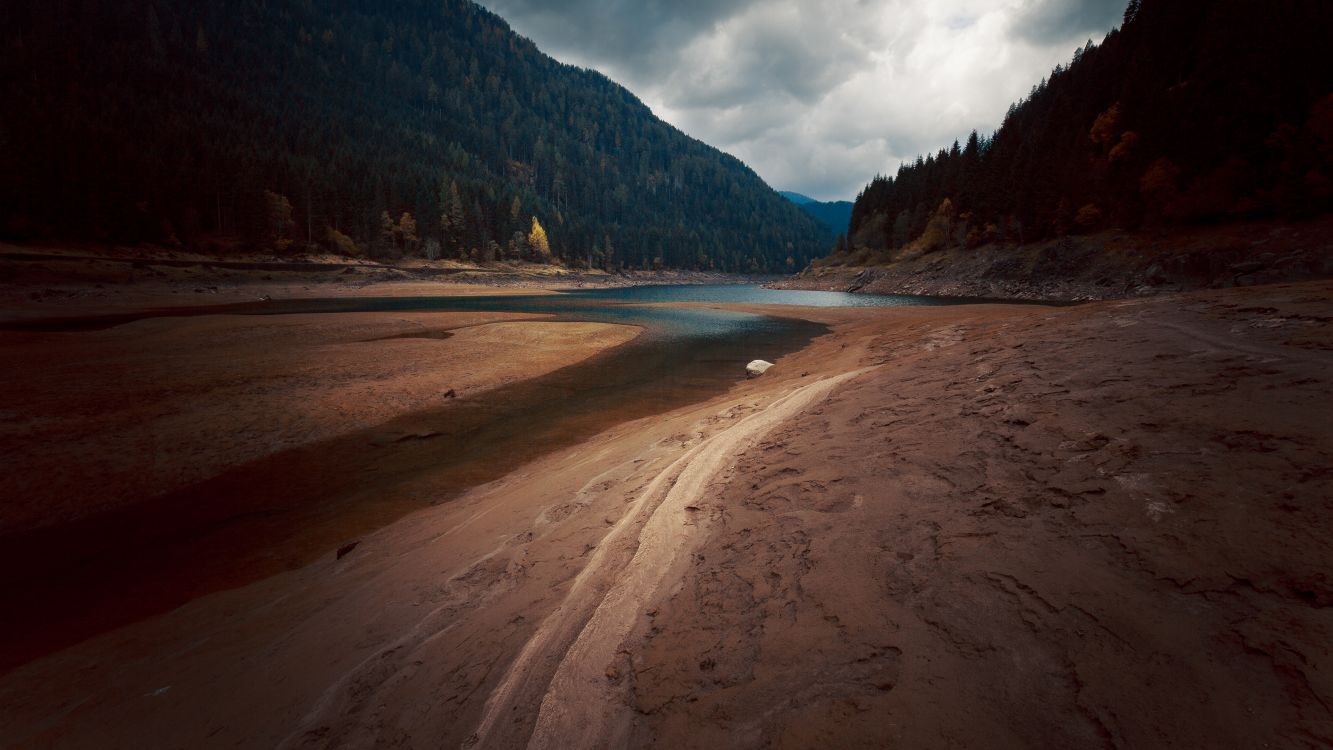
(260, 518)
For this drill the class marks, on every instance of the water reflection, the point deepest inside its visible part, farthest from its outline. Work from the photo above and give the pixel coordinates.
(281, 511)
(753, 294)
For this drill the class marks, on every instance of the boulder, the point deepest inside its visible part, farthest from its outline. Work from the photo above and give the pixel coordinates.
(757, 367)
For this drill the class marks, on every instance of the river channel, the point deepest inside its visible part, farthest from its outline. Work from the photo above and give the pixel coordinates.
(285, 510)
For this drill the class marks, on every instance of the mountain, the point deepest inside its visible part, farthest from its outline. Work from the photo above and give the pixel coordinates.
(388, 128)
(796, 198)
(1194, 111)
(833, 215)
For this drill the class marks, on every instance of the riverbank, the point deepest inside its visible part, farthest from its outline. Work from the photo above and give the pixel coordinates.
(42, 281)
(155, 461)
(152, 406)
(1075, 526)
(1113, 265)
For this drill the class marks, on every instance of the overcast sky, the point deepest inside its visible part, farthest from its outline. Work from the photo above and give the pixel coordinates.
(819, 95)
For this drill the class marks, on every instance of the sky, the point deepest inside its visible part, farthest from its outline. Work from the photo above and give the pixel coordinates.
(819, 96)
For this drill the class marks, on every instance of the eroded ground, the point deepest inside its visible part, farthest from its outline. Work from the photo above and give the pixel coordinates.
(1106, 526)
(937, 527)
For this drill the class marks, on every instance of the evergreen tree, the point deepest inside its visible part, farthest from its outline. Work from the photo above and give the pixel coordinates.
(407, 230)
(433, 107)
(278, 213)
(1190, 113)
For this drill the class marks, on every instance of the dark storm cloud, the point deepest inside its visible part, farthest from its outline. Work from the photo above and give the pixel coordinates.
(629, 34)
(1050, 21)
(819, 95)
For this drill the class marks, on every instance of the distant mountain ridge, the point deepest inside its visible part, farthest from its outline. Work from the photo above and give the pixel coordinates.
(409, 127)
(796, 198)
(834, 215)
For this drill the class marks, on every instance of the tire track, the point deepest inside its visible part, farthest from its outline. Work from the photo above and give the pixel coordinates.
(629, 570)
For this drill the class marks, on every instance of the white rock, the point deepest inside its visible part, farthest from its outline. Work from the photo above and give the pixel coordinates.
(757, 368)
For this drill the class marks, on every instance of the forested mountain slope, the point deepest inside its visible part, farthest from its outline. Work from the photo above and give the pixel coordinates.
(834, 215)
(405, 127)
(1195, 111)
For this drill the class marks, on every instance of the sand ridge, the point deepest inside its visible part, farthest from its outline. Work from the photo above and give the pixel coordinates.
(579, 708)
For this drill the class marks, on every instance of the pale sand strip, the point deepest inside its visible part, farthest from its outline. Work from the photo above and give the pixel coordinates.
(579, 708)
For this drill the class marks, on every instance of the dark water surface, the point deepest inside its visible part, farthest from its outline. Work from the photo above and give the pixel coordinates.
(64, 583)
(632, 305)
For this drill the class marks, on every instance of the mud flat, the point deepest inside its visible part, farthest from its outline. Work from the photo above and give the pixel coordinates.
(156, 431)
(983, 526)
(101, 418)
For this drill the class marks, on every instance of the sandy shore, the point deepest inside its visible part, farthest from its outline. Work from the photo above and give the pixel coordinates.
(937, 527)
(41, 281)
(153, 462)
(106, 418)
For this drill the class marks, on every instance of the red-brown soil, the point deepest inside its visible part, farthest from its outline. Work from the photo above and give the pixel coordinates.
(988, 526)
(101, 419)
(152, 462)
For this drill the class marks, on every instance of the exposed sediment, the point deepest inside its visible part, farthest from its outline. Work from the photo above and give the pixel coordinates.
(1090, 526)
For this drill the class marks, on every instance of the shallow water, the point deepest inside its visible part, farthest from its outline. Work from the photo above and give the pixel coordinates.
(753, 294)
(279, 512)
(631, 305)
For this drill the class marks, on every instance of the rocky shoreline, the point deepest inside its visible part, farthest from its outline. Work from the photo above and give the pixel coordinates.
(1107, 266)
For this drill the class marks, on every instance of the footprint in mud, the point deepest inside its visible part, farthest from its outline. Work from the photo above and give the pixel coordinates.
(944, 338)
(842, 502)
(769, 502)
(837, 502)
(598, 488)
(483, 576)
(557, 513)
(682, 439)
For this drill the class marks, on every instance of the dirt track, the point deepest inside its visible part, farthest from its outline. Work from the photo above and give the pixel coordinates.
(1095, 526)
(580, 708)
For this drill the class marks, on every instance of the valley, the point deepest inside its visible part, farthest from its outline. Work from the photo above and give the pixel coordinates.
(445, 374)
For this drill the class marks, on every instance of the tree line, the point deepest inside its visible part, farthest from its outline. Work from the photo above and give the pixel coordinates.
(419, 127)
(1191, 111)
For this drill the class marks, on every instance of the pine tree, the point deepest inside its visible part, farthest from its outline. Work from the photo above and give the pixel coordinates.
(451, 221)
(155, 33)
(1132, 11)
(388, 230)
(278, 220)
(407, 229)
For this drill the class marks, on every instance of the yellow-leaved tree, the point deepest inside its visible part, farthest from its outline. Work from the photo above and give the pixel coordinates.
(541, 246)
